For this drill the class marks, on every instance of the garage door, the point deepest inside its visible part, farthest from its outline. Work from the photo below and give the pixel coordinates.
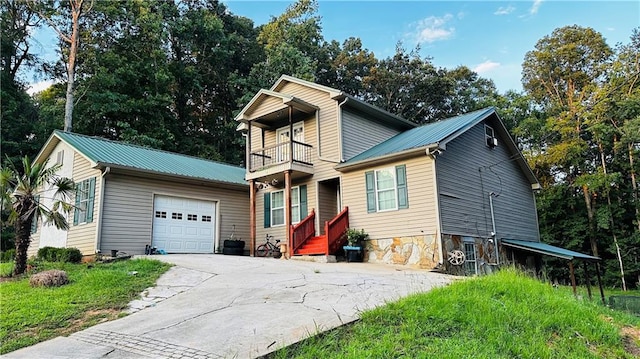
(183, 225)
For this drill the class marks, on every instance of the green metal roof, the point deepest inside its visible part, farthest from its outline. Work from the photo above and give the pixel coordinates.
(548, 249)
(422, 136)
(111, 153)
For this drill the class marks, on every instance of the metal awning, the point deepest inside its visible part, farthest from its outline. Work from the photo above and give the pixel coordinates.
(548, 249)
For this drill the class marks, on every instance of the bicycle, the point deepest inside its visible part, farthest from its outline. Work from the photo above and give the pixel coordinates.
(268, 248)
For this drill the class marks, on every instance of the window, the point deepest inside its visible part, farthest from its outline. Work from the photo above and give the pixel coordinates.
(470, 258)
(192, 217)
(386, 189)
(206, 218)
(85, 194)
(60, 158)
(175, 215)
(161, 214)
(489, 136)
(274, 206)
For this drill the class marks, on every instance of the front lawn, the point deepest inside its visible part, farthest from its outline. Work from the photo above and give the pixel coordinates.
(96, 292)
(505, 315)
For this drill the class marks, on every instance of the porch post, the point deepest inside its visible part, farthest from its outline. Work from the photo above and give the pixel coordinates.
(290, 135)
(287, 208)
(252, 217)
(573, 278)
(248, 155)
(600, 282)
(586, 275)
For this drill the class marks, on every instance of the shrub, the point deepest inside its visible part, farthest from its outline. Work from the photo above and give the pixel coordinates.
(71, 255)
(53, 254)
(50, 278)
(356, 237)
(8, 255)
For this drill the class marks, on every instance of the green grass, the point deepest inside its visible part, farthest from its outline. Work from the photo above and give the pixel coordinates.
(97, 293)
(505, 315)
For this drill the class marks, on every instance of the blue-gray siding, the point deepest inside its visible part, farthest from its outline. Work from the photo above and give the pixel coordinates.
(467, 172)
(360, 133)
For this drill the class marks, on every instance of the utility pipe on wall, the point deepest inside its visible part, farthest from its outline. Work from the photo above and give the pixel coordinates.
(493, 223)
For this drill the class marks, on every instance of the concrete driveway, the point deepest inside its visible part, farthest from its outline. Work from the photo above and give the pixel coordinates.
(216, 306)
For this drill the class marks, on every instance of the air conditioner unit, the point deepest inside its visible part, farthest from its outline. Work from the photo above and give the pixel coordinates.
(492, 141)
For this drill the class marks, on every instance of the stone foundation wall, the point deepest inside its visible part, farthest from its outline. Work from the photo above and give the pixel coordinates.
(415, 251)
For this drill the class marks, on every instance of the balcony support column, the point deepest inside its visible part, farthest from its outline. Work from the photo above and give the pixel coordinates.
(287, 206)
(290, 134)
(248, 159)
(252, 217)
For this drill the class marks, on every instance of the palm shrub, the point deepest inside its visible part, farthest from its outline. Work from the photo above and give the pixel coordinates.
(20, 195)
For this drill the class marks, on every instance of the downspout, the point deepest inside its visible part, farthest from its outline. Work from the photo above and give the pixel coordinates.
(431, 152)
(340, 139)
(100, 206)
(493, 224)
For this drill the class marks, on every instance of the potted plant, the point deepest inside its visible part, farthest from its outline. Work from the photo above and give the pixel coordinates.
(354, 250)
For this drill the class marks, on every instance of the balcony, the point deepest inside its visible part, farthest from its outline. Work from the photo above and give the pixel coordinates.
(272, 161)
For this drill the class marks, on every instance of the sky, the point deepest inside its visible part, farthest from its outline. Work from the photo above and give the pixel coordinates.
(489, 37)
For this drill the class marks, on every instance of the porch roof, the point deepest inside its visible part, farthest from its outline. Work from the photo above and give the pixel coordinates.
(547, 249)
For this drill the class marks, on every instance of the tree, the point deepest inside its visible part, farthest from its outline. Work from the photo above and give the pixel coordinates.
(292, 42)
(561, 74)
(409, 86)
(19, 190)
(64, 18)
(346, 66)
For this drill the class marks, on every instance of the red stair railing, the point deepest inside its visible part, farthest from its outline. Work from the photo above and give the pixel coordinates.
(336, 230)
(303, 231)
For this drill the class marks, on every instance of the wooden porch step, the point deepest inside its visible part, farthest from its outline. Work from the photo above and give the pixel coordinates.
(315, 245)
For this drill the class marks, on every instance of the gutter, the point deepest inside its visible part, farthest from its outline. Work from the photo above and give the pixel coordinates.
(433, 153)
(345, 167)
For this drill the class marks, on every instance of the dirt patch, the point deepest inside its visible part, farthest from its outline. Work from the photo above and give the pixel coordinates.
(91, 318)
(631, 340)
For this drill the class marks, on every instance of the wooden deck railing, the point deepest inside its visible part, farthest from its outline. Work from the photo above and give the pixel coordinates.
(303, 231)
(336, 231)
(279, 153)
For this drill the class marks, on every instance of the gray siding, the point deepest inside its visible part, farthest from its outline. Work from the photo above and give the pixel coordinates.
(467, 172)
(359, 133)
(128, 210)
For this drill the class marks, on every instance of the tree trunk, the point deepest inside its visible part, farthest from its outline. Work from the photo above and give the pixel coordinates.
(591, 216)
(634, 185)
(612, 221)
(76, 9)
(23, 239)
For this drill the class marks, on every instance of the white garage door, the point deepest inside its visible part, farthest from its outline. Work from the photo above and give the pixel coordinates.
(183, 225)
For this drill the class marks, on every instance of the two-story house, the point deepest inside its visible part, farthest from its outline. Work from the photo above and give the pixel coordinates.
(320, 161)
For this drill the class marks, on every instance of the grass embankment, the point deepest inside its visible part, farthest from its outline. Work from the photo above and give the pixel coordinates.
(506, 315)
(95, 293)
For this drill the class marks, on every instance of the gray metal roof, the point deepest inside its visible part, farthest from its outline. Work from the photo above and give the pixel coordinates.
(547, 249)
(111, 153)
(423, 136)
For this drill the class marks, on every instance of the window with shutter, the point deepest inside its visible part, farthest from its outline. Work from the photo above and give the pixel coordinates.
(387, 189)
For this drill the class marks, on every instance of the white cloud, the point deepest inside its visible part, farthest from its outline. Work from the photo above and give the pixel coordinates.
(505, 10)
(433, 29)
(535, 7)
(39, 87)
(486, 67)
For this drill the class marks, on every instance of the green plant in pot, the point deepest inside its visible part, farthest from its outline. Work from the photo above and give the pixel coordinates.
(354, 250)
